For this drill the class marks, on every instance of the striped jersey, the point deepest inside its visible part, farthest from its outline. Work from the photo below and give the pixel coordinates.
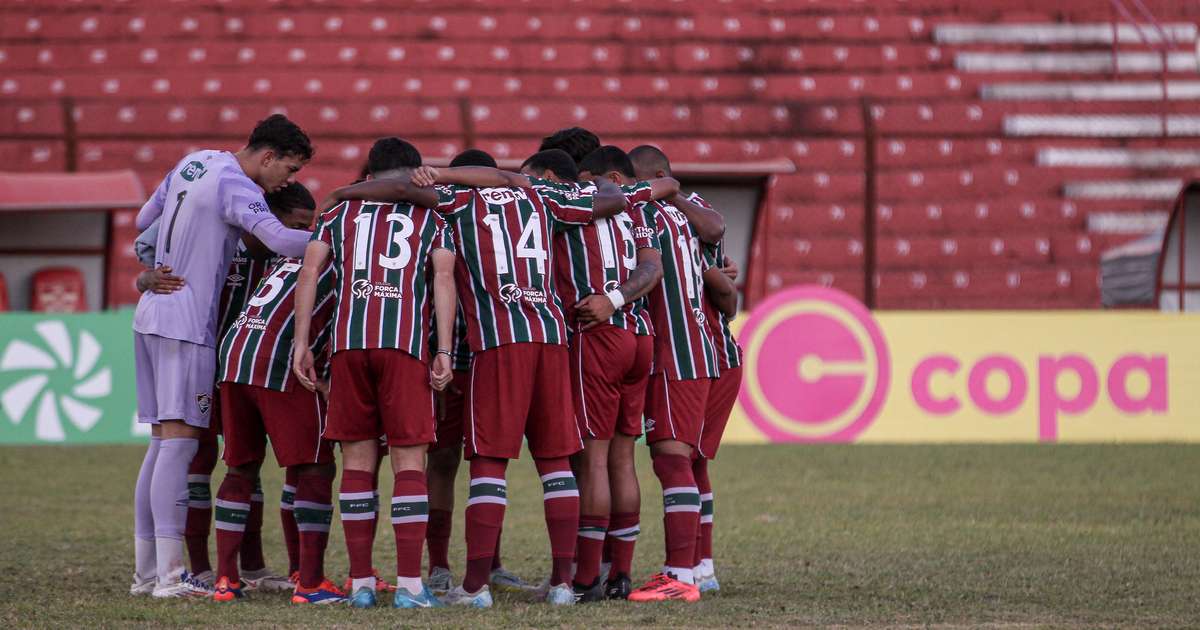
(505, 270)
(244, 273)
(598, 257)
(460, 349)
(382, 275)
(257, 349)
(683, 347)
(729, 353)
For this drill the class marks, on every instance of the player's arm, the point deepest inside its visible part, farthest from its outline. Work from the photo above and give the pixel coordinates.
(154, 279)
(399, 189)
(245, 207)
(663, 188)
(719, 288)
(596, 308)
(153, 207)
(316, 254)
(473, 176)
(707, 222)
(445, 306)
(609, 199)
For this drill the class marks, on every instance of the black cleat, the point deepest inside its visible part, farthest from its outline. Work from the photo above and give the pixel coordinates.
(618, 587)
(589, 593)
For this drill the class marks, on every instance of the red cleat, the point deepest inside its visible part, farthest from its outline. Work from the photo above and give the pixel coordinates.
(663, 587)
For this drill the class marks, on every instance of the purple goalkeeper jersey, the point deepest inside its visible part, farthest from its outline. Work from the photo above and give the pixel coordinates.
(205, 203)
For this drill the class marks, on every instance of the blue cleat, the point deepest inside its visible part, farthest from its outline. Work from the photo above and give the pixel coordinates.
(325, 593)
(709, 584)
(363, 598)
(561, 595)
(424, 599)
(460, 597)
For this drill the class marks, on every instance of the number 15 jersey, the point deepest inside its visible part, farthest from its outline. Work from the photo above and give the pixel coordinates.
(505, 271)
(380, 254)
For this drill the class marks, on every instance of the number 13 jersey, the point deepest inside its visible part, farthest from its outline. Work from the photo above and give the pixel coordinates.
(380, 256)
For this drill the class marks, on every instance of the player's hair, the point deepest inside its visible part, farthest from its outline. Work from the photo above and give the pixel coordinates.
(289, 198)
(473, 157)
(282, 136)
(606, 159)
(392, 154)
(556, 161)
(576, 141)
(650, 159)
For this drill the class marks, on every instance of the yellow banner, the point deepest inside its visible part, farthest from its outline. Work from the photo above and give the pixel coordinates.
(820, 367)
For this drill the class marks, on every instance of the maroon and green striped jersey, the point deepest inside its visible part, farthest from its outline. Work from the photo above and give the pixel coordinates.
(460, 349)
(244, 273)
(382, 273)
(505, 270)
(257, 348)
(729, 353)
(598, 257)
(683, 347)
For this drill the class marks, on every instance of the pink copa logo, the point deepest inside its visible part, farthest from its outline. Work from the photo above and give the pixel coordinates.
(818, 367)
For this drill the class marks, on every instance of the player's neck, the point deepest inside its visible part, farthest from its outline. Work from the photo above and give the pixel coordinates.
(246, 162)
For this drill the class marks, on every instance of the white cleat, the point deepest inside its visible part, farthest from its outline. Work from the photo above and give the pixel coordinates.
(440, 580)
(178, 589)
(141, 585)
(264, 580)
(504, 580)
(460, 597)
(202, 583)
(708, 583)
(561, 595)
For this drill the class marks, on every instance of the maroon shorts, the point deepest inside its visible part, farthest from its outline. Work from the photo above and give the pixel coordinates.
(521, 389)
(721, 397)
(380, 392)
(675, 410)
(292, 420)
(451, 404)
(609, 370)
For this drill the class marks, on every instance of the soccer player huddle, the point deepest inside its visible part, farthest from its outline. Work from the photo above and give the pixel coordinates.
(429, 315)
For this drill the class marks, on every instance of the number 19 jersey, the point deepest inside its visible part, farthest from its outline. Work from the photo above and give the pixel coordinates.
(380, 254)
(505, 270)
(683, 348)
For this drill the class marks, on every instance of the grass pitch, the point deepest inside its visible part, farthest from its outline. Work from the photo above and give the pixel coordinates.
(847, 535)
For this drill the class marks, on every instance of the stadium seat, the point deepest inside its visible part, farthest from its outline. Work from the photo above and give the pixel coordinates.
(57, 290)
(4, 303)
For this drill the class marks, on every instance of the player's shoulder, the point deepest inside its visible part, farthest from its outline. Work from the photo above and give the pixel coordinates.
(695, 198)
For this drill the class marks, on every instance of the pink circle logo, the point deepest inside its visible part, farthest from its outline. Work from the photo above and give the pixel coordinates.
(816, 366)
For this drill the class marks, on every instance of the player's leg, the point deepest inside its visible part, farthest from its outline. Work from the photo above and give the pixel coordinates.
(498, 401)
(553, 437)
(595, 505)
(245, 448)
(354, 422)
(440, 473)
(287, 520)
(675, 412)
(183, 393)
(721, 400)
(145, 569)
(199, 519)
(625, 520)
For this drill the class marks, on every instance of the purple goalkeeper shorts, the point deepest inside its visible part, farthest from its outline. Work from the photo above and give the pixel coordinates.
(174, 380)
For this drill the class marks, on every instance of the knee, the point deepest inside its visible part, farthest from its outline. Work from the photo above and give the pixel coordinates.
(443, 463)
(314, 470)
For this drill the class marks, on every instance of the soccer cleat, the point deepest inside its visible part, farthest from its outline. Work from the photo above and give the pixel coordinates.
(589, 593)
(142, 586)
(504, 580)
(662, 587)
(363, 598)
(173, 590)
(424, 599)
(440, 580)
(381, 585)
(708, 583)
(460, 597)
(561, 595)
(200, 583)
(618, 587)
(263, 579)
(325, 593)
(227, 591)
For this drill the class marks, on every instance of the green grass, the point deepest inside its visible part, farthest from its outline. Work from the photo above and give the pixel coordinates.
(849, 535)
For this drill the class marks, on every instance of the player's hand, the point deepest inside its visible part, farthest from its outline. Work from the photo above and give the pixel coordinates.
(159, 280)
(730, 269)
(424, 176)
(323, 388)
(440, 374)
(302, 365)
(593, 309)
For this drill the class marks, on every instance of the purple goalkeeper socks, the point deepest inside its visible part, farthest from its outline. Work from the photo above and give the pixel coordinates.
(168, 503)
(143, 517)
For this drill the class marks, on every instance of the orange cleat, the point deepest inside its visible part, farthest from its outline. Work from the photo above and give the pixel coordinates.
(381, 585)
(226, 590)
(325, 593)
(663, 587)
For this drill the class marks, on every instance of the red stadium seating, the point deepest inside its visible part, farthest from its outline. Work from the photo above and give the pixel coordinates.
(4, 303)
(57, 290)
